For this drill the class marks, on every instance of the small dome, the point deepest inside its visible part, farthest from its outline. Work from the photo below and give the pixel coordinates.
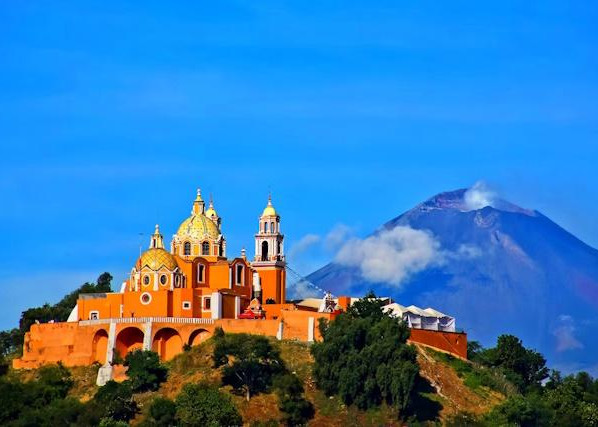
(269, 210)
(211, 212)
(198, 227)
(156, 258)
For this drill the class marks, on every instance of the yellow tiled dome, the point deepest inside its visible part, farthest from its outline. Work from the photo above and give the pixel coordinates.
(269, 209)
(156, 258)
(198, 227)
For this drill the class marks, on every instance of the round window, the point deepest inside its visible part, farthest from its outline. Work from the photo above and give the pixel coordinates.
(163, 279)
(146, 280)
(145, 298)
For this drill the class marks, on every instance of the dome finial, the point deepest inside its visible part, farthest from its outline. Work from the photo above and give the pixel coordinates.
(198, 204)
(269, 210)
(156, 240)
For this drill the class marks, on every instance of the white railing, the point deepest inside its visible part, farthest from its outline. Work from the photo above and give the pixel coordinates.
(187, 320)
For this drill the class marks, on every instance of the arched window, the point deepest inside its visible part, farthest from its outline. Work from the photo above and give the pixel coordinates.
(239, 274)
(265, 227)
(187, 248)
(220, 249)
(264, 251)
(205, 248)
(272, 229)
(200, 273)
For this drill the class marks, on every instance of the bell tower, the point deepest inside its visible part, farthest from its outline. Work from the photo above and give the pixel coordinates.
(269, 261)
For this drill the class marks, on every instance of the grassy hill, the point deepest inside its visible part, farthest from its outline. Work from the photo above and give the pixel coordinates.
(447, 387)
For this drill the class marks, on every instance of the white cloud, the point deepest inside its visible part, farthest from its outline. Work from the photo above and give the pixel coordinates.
(303, 245)
(392, 256)
(564, 333)
(336, 237)
(479, 196)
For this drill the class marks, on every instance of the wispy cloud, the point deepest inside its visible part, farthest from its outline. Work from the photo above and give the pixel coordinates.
(336, 237)
(303, 245)
(565, 334)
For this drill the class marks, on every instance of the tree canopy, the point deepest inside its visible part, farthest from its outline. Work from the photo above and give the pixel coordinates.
(203, 405)
(249, 362)
(145, 371)
(364, 357)
(525, 368)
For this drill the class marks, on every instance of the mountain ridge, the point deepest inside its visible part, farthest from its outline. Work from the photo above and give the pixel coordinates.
(525, 275)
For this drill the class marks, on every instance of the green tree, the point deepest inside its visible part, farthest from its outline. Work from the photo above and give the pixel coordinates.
(162, 413)
(569, 402)
(11, 341)
(524, 411)
(145, 371)
(59, 412)
(364, 357)
(524, 367)
(4, 365)
(113, 400)
(250, 362)
(203, 405)
(297, 410)
(474, 348)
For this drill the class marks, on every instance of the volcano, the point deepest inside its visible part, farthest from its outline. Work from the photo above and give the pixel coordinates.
(523, 275)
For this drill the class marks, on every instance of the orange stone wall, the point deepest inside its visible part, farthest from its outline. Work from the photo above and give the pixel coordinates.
(76, 344)
(454, 343)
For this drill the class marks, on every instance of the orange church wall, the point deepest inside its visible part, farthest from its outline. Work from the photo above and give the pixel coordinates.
(296, 323)
(454, 343)
(273, 310)
(228, 306)
(271, 281)
(74, 344)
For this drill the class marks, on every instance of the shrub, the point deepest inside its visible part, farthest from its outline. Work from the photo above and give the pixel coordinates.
(203, 405)
(58, 412)
(162, 413)
(521, 411)
(145, 370)
(109, 422)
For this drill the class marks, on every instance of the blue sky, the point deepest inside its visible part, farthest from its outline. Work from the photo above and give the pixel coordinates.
(112, 114)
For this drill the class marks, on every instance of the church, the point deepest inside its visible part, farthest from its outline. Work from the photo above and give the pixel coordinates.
(177, 297)
(194, 278)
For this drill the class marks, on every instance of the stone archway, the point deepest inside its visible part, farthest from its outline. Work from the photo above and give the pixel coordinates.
(99, 346)
(167, 343)
(198, 336)
(129, 339)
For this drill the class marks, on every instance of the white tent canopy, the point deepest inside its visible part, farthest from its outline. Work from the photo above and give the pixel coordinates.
(422, 318)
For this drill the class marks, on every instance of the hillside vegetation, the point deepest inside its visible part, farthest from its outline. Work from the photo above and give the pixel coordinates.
(440, 395)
